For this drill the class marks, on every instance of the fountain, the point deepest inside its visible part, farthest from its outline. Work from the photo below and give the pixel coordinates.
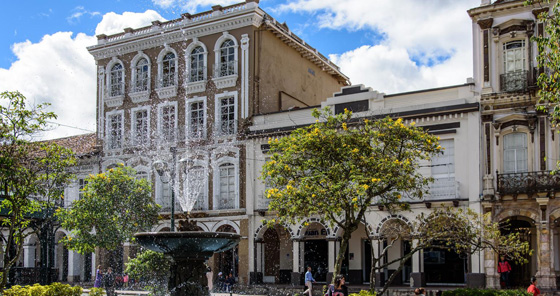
(189, 248)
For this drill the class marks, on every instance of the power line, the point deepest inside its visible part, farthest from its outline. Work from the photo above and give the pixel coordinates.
(70, 126)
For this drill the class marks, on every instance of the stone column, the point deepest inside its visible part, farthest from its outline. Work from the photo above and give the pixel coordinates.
(74, 266)
(417, 276)
(332, 258)
(296, 275)
(545, 266)
(29, 256)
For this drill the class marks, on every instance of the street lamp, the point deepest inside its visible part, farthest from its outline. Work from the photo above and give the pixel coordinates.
(161, 168)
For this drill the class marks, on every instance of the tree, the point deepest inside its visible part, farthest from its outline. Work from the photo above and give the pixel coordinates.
(33, 174)
(152, 269)
(455, 229)
(548, 59)
(338, 167)
(114, 206)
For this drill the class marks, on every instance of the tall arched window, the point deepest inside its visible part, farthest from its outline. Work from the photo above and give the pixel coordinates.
(227, 58)
(142, 75)
(515, 153)
(197, 65)
(168, 70)
(116, 85)
(195, 187)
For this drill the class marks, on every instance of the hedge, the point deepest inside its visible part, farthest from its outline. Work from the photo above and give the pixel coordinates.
(485, 292)
(54, 289)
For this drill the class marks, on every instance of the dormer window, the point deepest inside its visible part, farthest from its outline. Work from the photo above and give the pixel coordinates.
(116, 80)
(168, 70)
(227, 58)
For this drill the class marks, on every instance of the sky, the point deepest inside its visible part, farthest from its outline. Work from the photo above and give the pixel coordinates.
(390, 46)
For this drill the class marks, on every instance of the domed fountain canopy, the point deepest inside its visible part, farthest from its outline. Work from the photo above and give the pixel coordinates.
(188, 244)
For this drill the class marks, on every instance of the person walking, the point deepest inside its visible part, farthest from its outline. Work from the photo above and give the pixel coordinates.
(98, 277)
(309, 280)
(504, 269)
(420, 292)
(533, 287)
(109, 282)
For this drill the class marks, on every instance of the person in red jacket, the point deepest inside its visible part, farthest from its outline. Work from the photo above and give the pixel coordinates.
(504, 269)
(533, 287)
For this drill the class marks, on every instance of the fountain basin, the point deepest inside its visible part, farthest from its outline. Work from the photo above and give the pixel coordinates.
(188, 244)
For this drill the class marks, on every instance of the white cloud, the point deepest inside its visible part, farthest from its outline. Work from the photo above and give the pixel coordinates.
(433, 34)
(59, 70)
(79, 11)
(113, 23)
(191, 6)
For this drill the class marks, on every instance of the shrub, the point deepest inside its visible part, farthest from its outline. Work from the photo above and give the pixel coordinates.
(364, 293)
(485, 292)
(54, 289)
(96, 292)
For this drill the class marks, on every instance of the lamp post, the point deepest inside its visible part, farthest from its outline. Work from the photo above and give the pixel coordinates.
(161, 169)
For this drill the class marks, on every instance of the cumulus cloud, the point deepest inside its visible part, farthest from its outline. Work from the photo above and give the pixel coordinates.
(426, 43)
(56, 70)
(59, 70)
(79, 11)
(113, 23)
(191, 6)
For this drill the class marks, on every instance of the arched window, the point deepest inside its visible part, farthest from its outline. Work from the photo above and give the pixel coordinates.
(141, 75)
(515, 153)
(168, 70)
(195, 187)
(227, 58)
(227, 191)
(197, 65)
(116, 85)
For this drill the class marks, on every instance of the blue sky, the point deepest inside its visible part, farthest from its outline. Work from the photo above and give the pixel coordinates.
(391, 46)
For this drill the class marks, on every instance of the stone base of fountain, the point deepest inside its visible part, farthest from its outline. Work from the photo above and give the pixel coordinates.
(189, 251)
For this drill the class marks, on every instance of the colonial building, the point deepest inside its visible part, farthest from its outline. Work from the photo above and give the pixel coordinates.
(519, 145)
(281, 254)
(185, 91)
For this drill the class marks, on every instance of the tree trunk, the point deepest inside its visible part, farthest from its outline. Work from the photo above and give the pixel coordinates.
(340, 256)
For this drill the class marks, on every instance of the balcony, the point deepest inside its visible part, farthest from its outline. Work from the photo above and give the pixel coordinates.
(528, 183)
(516, 81)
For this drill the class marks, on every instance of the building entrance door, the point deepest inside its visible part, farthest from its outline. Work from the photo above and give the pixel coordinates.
(316, 254)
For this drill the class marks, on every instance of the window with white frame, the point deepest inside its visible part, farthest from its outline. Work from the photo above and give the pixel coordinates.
(226, 121)
(515, 153)
(140, 122)
(227, 194)
(227, 58)
(196, 119)
(514, 56)
(81, 185)
(197, 65)
(443, 164)
(168, 122)
(196, 187)
(115, 131)
(141, 75)
(168, 70)
(116, 85)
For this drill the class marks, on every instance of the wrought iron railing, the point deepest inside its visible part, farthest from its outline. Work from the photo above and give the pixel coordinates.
(527, 183)
(516, 81)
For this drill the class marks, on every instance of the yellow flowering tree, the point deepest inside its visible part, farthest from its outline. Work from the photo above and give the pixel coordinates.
(115, 205)
(340, 166)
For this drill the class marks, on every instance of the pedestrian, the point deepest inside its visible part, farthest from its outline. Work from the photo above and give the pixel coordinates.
(220, 282)
(109, 282)
(98, 277)
(309, 280)
(125, 280)
(420, 292)
(504, 269)
(339, 288)
(533, 287)
(230, 282)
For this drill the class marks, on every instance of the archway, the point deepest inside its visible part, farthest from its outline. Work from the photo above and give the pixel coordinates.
(227, 262)
(316, 251)
(397, 231)
(272, 254)
(521, 274)
(61, 255)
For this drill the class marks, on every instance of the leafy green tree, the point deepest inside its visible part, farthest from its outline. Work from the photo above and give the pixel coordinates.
(460, 230)
(338, 167)
(32, 174)
(152, 269)
(548, 59)
(114, 206)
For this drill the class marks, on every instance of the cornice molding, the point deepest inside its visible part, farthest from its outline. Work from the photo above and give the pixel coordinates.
(156, 39)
